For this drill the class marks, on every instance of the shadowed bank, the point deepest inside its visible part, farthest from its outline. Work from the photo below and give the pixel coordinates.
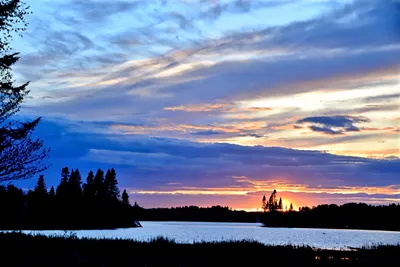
(70, 251)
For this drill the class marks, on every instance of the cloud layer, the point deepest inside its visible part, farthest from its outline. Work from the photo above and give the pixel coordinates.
(189, 94)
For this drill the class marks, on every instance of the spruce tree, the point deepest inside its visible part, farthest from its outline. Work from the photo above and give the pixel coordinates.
(111, 184)
(272, 203)
(62, 188)
(264, 203)
(125, 197)
(52, 192)
(41, 188)
(88, 187)
(280, 204)
(75, 182)
(98, 182)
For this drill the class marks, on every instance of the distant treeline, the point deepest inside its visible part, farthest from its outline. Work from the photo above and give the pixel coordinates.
(194, 213)
(95, 204)
(347, 216)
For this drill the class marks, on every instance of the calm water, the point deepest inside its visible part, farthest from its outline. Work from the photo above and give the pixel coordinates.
(188, 232)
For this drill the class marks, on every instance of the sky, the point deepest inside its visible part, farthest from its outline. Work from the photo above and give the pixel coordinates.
(219, 102)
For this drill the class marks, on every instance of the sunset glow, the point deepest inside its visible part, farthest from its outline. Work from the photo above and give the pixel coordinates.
(210, 103)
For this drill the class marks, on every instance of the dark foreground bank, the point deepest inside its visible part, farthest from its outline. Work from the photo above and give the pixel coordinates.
(18, 249)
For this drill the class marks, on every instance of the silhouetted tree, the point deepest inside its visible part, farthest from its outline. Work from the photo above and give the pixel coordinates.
(264, 203)
(62, 188)
(111, 184)
(272, 204)
(98, 182)
(20, 155)
(74, 183)
(280, 205)
(125, 197)
(88, 187)
(291, 207)
(41, 188)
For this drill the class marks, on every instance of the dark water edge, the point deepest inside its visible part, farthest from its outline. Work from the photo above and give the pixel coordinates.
(17, 249)
(134, 224)
(334, 228)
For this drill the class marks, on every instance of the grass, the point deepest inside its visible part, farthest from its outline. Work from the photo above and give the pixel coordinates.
(17, 249)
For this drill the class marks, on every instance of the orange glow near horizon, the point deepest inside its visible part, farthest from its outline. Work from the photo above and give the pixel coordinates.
(249, 197)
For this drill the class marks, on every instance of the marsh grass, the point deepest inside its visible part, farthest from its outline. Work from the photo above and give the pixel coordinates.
(18, 249)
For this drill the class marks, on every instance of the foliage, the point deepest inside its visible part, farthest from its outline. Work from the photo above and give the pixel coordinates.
(125, 197)
(67, 208)
(21, 155)
(194, 213)
(346, 216)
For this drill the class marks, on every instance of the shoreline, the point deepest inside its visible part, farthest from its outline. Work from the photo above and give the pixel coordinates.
(139, 225)
(19, 249)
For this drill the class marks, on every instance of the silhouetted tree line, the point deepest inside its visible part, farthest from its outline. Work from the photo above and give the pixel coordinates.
(194, 213)
(95, 204)
(346, 216)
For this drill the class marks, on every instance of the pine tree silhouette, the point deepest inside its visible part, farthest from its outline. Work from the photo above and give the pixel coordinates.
(125, 197)
(40, 188)
(62, 188)
(280, 204)
(74, 183)
(88, 187)
(111, 184)
(98, 182)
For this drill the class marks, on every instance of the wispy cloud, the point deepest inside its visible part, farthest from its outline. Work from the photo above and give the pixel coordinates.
(196, 92)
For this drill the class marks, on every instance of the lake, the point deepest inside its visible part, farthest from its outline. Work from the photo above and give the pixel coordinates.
(189, 232)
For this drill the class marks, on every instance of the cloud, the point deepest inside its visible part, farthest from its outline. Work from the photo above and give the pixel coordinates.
(141, 96)
(385, 97)
(94, 11)
(333, 125)
(177, 160)
(208, 132)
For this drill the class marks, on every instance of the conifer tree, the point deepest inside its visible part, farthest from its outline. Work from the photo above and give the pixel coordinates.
(272, 203)
(52, 192)
(88, 187)
(264, 203)
(280, 204)
(62, 188)
(98, 182)
(74, 182)
(125, 197)
(111, 184)
(41, 188)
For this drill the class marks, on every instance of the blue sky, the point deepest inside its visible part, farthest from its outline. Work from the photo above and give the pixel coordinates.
(218, 102)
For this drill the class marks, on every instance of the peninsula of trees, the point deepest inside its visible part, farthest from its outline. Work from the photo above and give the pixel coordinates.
(347, 216)
(97, 204)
